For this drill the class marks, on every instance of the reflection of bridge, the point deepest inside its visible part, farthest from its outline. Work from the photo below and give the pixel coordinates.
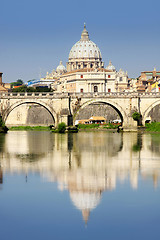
(61, 106)
(85, 170)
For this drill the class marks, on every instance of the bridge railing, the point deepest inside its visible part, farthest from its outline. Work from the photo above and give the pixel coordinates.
(80, 95)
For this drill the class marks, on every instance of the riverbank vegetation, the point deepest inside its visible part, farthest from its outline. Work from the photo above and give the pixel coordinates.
(153, 127)
(24, 88)
(149, 127)
(3, 128)
(98, 126)
(137, 117)
(29, 128)
(62, 128)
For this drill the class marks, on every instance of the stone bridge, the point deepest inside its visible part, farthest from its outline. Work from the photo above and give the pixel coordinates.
(60, 107)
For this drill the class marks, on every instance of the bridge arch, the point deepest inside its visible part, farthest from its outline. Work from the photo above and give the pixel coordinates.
(109, 102)
(148, 109)
(46, 106)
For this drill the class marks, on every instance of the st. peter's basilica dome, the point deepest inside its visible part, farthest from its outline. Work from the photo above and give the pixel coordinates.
(84, 54)
(85, 48)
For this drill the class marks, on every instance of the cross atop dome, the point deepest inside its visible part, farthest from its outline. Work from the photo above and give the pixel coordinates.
(84, 35)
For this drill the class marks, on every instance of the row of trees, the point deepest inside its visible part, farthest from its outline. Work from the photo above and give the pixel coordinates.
(23, 88)
(19, 82)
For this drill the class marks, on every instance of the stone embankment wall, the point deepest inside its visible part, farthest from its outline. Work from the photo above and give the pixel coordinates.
(155, 114)
(30, 114)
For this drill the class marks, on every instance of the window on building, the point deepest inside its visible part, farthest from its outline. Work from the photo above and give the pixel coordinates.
(81, 90)
(109, 76)
(120, 79)
(81, 76)
(109, 90)
(95, 88)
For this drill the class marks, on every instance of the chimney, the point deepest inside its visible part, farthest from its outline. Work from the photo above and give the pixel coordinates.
(1, 78)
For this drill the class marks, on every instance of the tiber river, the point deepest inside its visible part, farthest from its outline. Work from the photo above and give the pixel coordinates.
(90, 185)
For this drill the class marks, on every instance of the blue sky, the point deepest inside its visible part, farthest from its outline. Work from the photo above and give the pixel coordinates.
(35, 35)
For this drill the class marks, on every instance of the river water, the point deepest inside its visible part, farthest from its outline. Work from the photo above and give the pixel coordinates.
(90, 185)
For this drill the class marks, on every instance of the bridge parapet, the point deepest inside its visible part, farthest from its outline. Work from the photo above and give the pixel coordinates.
(80, 95)
(51, 95)
(116, 94)
(33, 95)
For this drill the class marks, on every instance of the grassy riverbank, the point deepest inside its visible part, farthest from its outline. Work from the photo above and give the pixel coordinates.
(98, 126)
(29, 128)
(153, 127)
(80, 127)
(149, 127)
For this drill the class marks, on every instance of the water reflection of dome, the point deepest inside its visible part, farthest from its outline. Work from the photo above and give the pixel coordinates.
(85, 201)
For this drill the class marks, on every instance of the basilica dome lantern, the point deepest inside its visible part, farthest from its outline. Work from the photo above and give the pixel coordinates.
(84, 54)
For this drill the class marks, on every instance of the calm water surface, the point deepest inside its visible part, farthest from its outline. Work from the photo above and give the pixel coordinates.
(95, 185)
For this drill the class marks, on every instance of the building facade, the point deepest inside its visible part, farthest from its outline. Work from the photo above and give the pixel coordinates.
(149, 81)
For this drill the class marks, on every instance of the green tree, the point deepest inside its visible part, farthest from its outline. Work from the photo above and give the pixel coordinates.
(19, 82)
(137, 117)
(43, 89)
(61, 127)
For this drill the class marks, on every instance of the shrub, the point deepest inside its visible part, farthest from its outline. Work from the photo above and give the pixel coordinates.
(61, 127)
(2, 124)
(136, 116)
(3, 128)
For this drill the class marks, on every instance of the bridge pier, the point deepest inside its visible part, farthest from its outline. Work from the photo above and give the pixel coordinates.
(63, 118)
(129, 124)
